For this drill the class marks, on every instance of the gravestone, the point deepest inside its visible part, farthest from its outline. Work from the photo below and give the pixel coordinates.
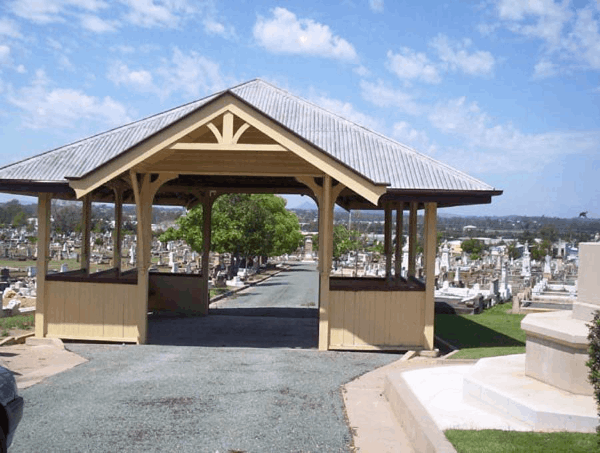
(556, 342)
(526, 264)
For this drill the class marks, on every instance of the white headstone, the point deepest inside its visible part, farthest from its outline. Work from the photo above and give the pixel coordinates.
(547, 269)
(526, 265)
(64, 268)
(445, 262)
(132, 254)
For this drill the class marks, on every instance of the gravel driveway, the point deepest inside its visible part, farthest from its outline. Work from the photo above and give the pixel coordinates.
(267, 394)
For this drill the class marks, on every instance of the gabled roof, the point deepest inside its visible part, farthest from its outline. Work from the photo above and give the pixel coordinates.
(370, 154)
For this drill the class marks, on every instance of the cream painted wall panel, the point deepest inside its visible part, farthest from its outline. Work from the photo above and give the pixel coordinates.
(55, 308)
(90, 310)
(113, 314)
(91, 313)
(72, 295)
(349, 299)
(376, 319)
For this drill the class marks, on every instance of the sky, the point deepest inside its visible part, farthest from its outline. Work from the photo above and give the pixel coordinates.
(507, 91)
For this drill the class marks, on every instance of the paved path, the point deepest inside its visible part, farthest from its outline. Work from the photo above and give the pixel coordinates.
(263, 391)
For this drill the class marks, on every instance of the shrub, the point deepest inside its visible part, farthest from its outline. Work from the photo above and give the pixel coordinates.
(594, 362)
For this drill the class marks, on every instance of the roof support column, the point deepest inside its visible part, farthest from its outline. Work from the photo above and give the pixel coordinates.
(86, 221)
(325, 255)
(144, 189)
(43, 256)
(387, 240)
(326, 196)
(412, 239)
(117, 252)
(399, 232)
(207, 200)
(430, 252)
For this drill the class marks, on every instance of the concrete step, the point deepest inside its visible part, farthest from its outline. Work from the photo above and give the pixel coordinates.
(500, 385)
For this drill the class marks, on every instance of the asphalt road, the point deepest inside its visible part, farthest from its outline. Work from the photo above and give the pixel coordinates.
(222, 383)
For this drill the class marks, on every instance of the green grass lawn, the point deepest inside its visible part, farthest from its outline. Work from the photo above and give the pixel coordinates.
(217, 291)
(491, 333)
(23, 322)
(494, 441)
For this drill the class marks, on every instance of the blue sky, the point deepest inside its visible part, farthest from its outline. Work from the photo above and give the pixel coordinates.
(505, 90)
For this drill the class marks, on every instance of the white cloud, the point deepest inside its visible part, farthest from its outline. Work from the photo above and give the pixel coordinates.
(543, 19)
(192, 74)
(456, 56)
(405, 133)
(213, 27)
(570, 36)
(347, 110)
(147, 13)
(584, 41)
(544, 68)
(47, 107)
(140, 80)
(186, 72)
(376, 5)
(9, 28)
(285, 33)
(410, 65)
(496, 148)
(4, 54)
(65, 63)
(383, 96)
(21, 69)
(361, 71)
(48, 11)
(97, 24)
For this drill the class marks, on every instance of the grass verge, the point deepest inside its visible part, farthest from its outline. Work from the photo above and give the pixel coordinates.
(21, 322)
(214, 292)
(495, 441)
(491, 333)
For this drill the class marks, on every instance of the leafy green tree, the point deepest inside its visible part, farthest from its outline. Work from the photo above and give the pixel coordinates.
(244, 225)
(19, 220)
(539, 251)
(548, 232)
(344, 241)
(512, 250)
(474, 248)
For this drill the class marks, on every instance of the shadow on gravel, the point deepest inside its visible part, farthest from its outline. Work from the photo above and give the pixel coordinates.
(239, 328)
(272, 312)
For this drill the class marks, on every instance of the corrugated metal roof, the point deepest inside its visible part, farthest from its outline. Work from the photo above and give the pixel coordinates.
(376, 157)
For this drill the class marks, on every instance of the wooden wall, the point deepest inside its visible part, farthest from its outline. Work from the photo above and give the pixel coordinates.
(92, 311)
(364, 320)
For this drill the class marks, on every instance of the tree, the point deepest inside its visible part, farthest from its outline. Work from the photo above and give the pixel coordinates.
(512, 250)
(539, 251)
(344, 240)
(244, 225)
(19, 220)
(474, 247)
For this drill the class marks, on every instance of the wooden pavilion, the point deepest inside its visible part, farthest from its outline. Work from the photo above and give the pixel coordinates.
(253, 138)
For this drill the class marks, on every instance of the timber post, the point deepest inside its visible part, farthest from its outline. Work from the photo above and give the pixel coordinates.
(44, 205)
(430, 251)
(207, 200)
(144, 190)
